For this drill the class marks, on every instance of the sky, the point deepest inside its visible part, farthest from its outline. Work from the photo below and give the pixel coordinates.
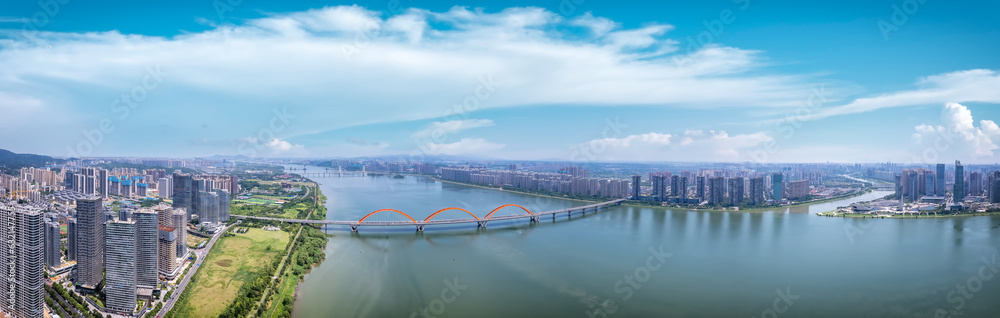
(570, 80)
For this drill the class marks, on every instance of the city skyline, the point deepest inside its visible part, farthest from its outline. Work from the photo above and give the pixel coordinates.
(715, 82)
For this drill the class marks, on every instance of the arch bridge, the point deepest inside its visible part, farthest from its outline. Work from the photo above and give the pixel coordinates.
(431, 220)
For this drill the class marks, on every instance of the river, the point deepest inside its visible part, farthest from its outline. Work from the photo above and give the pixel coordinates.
(643, 262)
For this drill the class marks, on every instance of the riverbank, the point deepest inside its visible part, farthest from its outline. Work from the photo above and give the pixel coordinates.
(903, 216)
(648, 205)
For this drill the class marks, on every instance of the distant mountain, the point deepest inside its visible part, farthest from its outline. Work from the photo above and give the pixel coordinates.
(11, 162)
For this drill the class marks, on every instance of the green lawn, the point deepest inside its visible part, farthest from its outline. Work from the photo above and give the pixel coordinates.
(231, 262)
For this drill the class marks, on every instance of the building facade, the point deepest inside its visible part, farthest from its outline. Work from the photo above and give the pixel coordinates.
(22, 261)
(90, 242)
(120, 290)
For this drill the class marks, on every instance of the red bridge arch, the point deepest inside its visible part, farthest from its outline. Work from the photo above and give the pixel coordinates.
(446, 209)
(488, 216)
(387, 210)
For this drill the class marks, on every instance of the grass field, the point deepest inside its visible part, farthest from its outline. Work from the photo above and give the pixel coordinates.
(193, 241)
(231, 262)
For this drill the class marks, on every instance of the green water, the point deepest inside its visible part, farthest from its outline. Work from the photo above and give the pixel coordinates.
(610, 264)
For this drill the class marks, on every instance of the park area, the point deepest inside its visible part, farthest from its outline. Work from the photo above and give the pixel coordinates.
(232, 262)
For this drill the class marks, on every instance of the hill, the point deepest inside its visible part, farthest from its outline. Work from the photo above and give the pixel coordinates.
(11, 162)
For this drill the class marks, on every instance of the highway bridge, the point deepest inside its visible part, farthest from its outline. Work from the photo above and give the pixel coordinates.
(407, 220)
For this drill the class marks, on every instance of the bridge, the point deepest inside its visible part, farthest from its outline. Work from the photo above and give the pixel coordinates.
(430, 220)
(327, 174)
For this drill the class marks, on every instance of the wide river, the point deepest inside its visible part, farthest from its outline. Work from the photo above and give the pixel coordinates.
(644, 262)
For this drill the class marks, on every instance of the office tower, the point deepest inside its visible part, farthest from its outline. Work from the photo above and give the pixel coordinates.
(976, 184)
(684, 188)
(208, 205)
(90, 242)
(180, 220)
(913, 190)
(22, 261)
(167, 249)
(736, 188)
(636, 179)
(700, 191)
(939, 178)
(121, 267)
(756, 195)
(53, 245)
(71, 239)
(223, 205)
(959, 191)
(716, 190)
(182, 190)
(147, 251)
(777, 186)
(899, 186)
(163, 185)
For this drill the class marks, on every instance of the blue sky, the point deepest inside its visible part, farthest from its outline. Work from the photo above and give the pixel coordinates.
(585, 80)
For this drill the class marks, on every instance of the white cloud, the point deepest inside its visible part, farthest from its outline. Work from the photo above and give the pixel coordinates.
(956, 138)
(978, 85)
(692, 145)
(281, 147)
(415, 65)
(437, 131)
(466, 146)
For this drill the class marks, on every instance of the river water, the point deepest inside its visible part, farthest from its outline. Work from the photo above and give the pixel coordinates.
(643, 262)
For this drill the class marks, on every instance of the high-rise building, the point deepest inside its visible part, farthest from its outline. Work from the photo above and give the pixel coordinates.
(636, 180)
(102, 182)
(53, 245)
(659, 187)
(182, 192)
(993, 187)
(223, 205)
(22, 261)
(120, 291)
(180, 220)
(757, 191)
(939, 178)
(90, 242)
(147, 251)
(777, 186)
(165, 188)
(976, 184)
(929, 184)
(736, 188)
(71, 239)
(798, 189)
(716, 190)
(678, 187)
(168, 240)
(700, 185)
(959, 191)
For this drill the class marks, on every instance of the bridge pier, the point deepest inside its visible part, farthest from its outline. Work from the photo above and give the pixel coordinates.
(534, 219)
(482, 224)
(420, 228)
(354, 228)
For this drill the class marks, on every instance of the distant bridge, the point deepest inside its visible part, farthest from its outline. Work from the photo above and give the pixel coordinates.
(327, 174)
(420, 224)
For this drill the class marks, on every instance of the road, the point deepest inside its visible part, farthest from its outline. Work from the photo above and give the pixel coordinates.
(179, 290)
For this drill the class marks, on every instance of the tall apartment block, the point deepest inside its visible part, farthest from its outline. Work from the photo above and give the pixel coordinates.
(167, 242)
(756, 195)
(53, 245)
(22, 261)
(736, 188)
(180, 220)
(121, 267)
(939, 187)
(71, 239)
(147, 227)
(636, 189)
(90, 242)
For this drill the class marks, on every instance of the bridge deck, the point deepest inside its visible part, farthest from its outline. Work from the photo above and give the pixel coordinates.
(434, 222)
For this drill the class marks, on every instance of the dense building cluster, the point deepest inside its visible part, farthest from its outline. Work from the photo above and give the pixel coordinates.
(575, 181)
